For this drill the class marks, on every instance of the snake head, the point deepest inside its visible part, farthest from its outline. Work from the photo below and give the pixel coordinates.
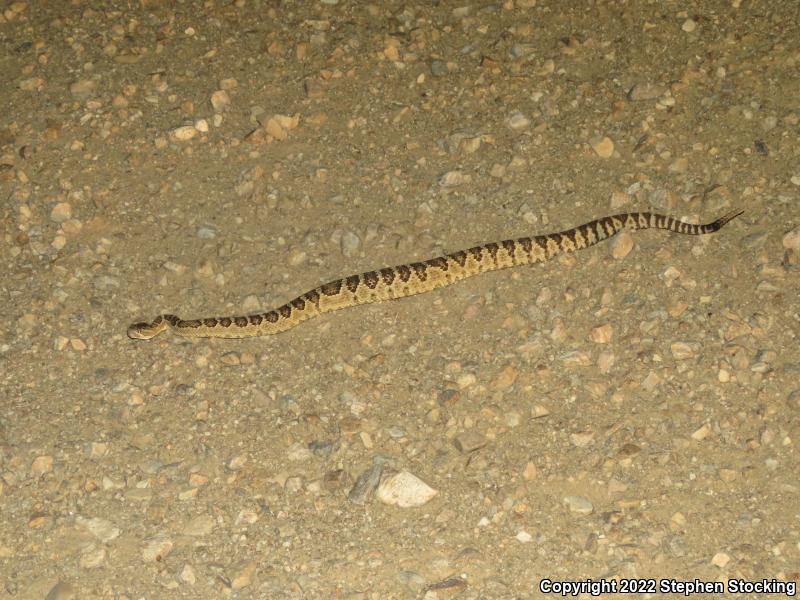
(146, 331)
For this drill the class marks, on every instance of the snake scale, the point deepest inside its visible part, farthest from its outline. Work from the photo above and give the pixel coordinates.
(418, 277)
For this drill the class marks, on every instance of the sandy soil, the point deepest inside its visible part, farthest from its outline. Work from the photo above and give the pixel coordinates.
(617, 413)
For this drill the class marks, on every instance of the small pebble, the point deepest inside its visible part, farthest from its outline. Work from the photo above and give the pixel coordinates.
(469, 441)
(530, 471)
(447, 398)
(505, 379)
(602, 334)
(187, 574)
(156, 548)
(220, 100)
(452, 587)
(230, 359)
(350, 243)
(701, 433)
(42, 464)
(683, 350)
(582, 439)
(405, 490)
(621, 245)
(237, 462)
(579, 505)
(60, 591)
(465, 380)
(97, 450)
(92, 557)
(366, 484)
(651, 381)
(243, 576)
(199, 526)
(721, 560)
(82, 89)
(606, 360)
(275, 130)
(278, 126)
(791, 240)
(603, 146)
(61, 212)
(646, 91)
(103, 529)
(677, 308)
(538, 411)
(297, 257)
(679, 165)
(439, 68)
(793, 399)
(452, 179)
(185, 133)
(517, 121)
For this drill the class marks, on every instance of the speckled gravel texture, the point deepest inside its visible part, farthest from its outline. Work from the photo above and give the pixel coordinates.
(628, 411)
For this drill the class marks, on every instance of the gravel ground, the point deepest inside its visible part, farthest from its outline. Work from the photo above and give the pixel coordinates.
(630, 411)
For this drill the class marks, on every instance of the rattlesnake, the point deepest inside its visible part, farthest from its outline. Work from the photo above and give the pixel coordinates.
(418, 277)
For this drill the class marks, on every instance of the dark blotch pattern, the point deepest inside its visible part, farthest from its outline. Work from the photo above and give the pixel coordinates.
(492, 250)
(476, 252)
(460, 257)
(224, 321)
(370, 279)
(299, 303)
(387, 275)
(352, 283)
(240, 321)
(439, 262)
(255, 319)
(405, 273)
(421, 270)
(312, 296)
(212, 322)
(332, 288)
(509, 246)
(541, 241)
(285, 311)
(271, 316)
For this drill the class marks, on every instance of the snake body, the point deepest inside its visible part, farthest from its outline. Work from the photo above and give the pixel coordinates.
(418, 277)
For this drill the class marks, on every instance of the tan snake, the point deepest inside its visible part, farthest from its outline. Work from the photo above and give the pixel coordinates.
(418, 277)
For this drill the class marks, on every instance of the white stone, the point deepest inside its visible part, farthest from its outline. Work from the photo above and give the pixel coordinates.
(579, 505)
(404, 490)
(517, 121)
(184, 133)
(220, 100)
(156, 548)
(524, 537)
(103, 529)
